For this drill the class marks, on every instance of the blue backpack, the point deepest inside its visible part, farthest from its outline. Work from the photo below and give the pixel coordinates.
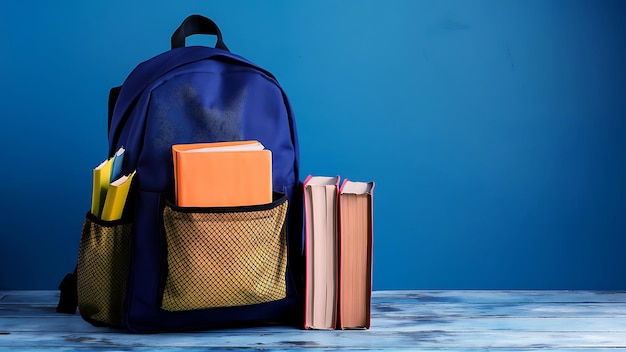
(166, 268)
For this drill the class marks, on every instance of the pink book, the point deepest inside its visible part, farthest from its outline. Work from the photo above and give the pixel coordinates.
(321, 249)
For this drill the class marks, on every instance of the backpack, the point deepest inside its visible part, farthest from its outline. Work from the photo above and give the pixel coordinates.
(165, 268)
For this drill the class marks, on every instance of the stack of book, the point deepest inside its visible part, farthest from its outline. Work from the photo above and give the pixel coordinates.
(339, 234)
(110, 188)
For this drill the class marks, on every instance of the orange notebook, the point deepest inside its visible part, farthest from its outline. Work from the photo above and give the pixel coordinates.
(222, 174)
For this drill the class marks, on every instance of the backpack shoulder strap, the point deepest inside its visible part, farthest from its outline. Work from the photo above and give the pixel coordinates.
(114, 93)
(68, 301)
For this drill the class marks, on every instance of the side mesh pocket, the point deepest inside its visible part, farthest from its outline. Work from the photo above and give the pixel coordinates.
(102, 270)
(221, 257)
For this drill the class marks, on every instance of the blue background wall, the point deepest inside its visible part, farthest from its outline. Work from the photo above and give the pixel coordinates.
(495, 130)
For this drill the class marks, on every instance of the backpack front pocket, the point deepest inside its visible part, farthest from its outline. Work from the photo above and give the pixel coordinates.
(223, 257)
(102, 270)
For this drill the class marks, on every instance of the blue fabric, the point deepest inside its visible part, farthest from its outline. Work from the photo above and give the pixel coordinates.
(200, 94)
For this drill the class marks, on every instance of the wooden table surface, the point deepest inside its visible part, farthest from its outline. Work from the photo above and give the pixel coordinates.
(401, 320)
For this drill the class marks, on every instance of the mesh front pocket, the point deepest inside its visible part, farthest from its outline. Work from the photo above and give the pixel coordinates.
(102, 270)
(225, 257)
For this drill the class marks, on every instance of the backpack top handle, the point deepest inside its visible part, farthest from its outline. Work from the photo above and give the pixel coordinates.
(197, 24)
